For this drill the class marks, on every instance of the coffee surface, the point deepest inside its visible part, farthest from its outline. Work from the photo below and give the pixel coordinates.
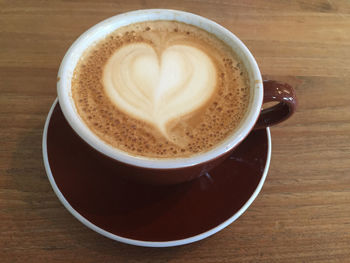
(160, 89)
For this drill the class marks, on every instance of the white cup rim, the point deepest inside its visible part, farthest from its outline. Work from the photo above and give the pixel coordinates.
(101, 29)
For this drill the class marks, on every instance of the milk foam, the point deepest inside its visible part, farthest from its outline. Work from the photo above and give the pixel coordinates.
(159, 88)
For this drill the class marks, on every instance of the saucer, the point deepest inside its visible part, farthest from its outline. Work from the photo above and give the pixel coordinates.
(144, 215)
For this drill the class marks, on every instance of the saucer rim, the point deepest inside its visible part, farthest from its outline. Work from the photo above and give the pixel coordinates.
(142, 243)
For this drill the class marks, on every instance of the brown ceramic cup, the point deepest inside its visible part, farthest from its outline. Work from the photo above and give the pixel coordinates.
(175, 170)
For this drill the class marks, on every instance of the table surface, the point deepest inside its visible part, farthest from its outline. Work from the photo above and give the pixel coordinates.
(303, 211)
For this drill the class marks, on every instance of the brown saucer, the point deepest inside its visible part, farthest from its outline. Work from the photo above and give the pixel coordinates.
(151, 215)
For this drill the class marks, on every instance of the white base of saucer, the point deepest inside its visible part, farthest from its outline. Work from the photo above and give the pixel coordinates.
(140, 242)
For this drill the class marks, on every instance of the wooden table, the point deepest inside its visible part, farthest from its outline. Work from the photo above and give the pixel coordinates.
(303, 211)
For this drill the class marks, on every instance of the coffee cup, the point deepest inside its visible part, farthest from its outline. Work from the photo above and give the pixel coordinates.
(173, 169)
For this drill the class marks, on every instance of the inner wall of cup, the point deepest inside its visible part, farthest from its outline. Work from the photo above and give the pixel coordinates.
(99, 31)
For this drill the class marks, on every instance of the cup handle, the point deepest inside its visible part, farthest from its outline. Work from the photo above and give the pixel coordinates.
(285, 95)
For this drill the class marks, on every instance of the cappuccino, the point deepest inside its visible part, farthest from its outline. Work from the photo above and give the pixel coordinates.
(161, 89)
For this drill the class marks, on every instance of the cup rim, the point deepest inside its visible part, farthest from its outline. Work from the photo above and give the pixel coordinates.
(108, 25)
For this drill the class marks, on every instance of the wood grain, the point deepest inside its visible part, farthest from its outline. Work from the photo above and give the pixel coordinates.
(303, 211)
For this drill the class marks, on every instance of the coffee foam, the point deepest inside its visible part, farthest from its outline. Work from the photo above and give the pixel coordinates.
(158, 89)
(191, 91)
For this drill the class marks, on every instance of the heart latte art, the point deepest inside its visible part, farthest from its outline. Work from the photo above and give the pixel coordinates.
(158, 88)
